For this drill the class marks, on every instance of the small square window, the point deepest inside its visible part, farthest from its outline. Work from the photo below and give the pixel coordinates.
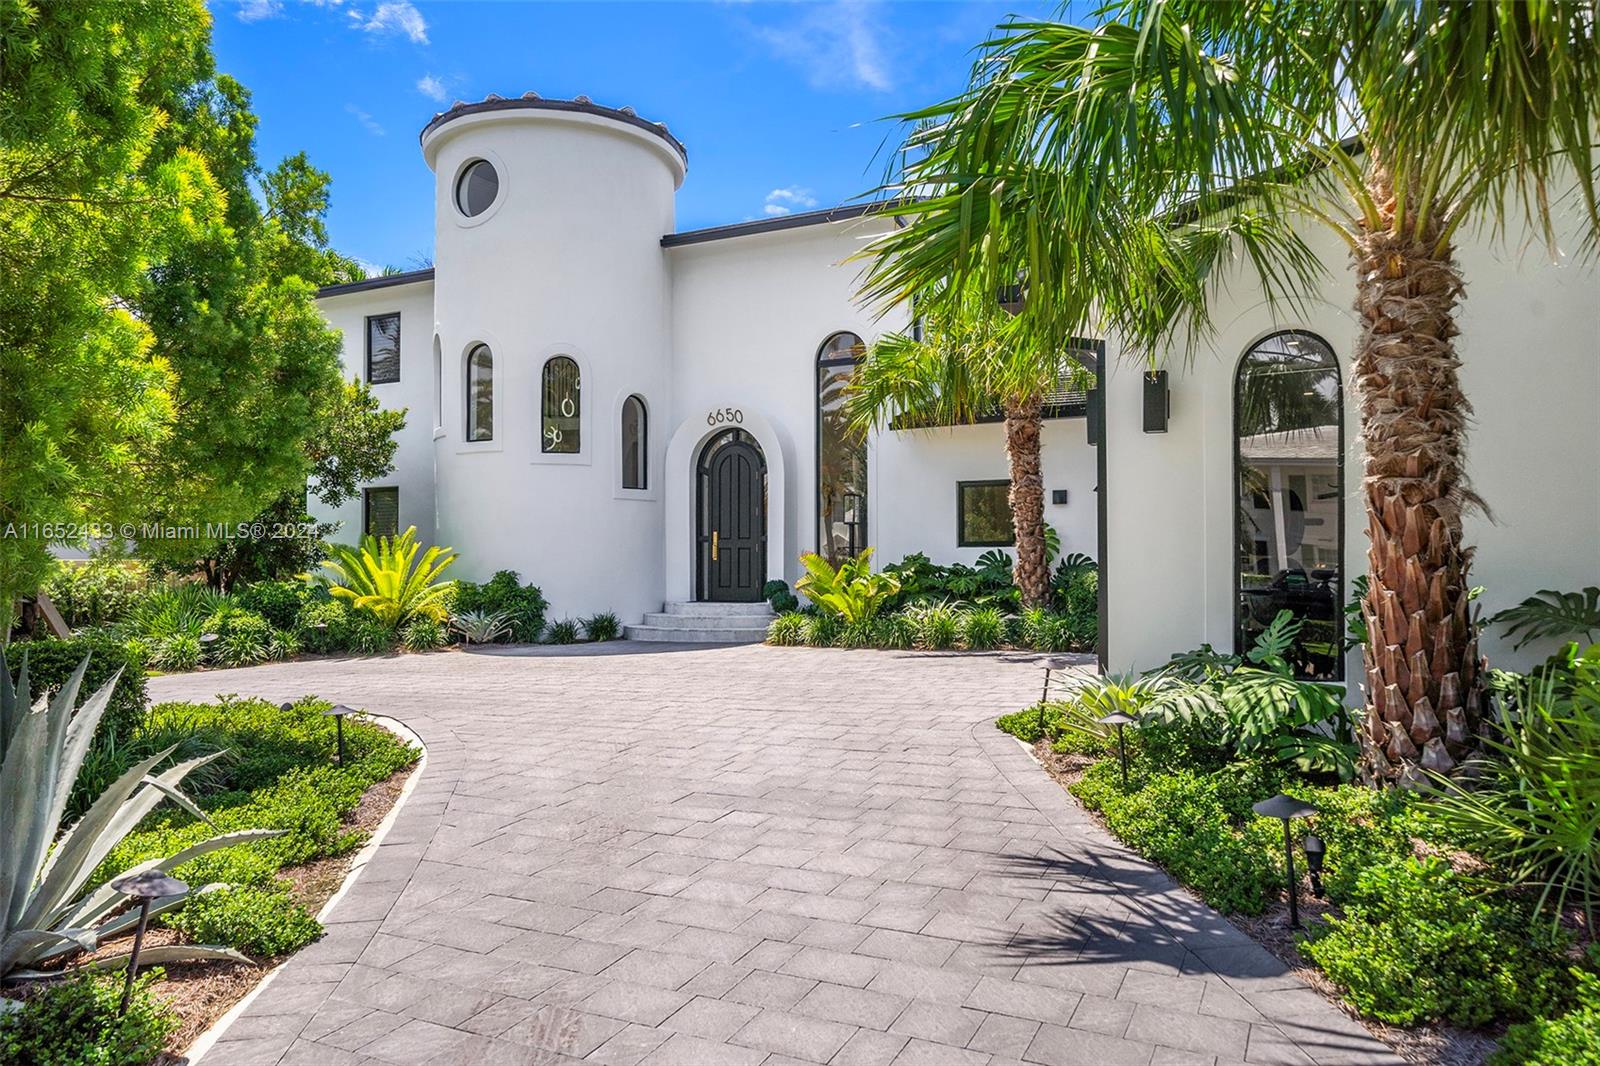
(383, 349)
(380, 509)
(983, 514)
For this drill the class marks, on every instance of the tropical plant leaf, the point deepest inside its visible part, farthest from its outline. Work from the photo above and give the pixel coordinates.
(1549, 613)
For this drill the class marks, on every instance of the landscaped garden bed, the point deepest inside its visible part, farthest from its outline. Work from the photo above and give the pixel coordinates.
(1447, 918)
(262, 833)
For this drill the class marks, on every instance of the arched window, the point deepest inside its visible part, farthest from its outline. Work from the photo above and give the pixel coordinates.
(841, 454)
(558, 407)
(635, 443)
(480, 394)
(1288, 416)
(438, 385)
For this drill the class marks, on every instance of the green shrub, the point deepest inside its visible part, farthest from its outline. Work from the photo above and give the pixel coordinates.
(424, 634)
(1028, 725)
(604, 626)
(983, 628)
(51, 663)
(75, 1022)
(393, 579)
(862, 633)
(99, 592)
(788, 629)
(1572, 1039)
(821, 630)
(524, 605)
(778, 595)
(1080, 611)
(937, 626)
(324, 627)
(478, 627)
(563, 632)
(851, 593)
(1190, 824)
(173, 610)
(368, 635)
(283, 645)
(243, 637)
(178, 653)
(1416, 944)
(894, 631)
(279, 602)
(257, 920)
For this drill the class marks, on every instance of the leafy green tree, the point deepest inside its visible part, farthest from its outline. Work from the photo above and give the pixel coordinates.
(234, 315)
(1395, 124)
(86, 204)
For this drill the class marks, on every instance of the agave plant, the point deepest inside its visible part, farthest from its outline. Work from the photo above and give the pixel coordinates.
(48, 911)
(852, 592)
(384, 576)
(481, 627)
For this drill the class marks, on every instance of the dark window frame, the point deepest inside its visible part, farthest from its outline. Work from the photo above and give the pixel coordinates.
(644, 442)
(370, 319)
(851, 357)
(544, 396)
(961, 514)
(1341, 579)
(366, 509)
(466, 381)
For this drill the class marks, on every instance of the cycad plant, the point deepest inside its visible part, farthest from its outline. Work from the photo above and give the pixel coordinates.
(48, 910)
(385, 577)
(852, 593)
(1394, 124)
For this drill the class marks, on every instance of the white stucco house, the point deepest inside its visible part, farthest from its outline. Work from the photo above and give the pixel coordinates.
(636, 418)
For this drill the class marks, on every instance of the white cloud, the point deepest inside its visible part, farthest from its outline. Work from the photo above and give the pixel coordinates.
(372, 125)
(393, 16)
(785, 200)
(433, 88)
(256, 10)
(836, 44)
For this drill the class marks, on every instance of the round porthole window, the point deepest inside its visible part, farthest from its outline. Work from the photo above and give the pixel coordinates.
(476, 188)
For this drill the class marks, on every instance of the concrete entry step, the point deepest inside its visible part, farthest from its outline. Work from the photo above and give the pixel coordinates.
(697, 634)
(705, 621)
(720, 610)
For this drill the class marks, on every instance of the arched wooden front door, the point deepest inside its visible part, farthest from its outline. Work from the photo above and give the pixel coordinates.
(731, 522)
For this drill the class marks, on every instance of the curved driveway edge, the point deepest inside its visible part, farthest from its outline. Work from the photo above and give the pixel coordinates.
(750, 855)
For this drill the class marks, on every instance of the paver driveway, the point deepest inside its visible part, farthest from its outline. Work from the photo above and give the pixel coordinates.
(749, 855)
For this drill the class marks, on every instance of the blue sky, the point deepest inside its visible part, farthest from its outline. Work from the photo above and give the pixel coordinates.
(779, 103)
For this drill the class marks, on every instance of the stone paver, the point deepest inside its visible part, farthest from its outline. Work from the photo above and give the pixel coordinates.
(643, 854)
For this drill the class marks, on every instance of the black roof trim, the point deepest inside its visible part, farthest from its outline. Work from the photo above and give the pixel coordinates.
(382, 281)
(581, 107)
(782, 222)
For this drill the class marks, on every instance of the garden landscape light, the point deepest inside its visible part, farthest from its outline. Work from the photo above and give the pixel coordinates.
(337, 713)
(1287, 808)
(1054, 662)
(1316, 851)
(146, 888)
(1120, 719)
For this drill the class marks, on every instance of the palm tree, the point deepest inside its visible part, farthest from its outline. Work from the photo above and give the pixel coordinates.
(1394, 124)
(970, 359)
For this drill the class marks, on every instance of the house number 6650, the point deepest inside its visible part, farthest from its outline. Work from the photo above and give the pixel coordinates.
(724, 415)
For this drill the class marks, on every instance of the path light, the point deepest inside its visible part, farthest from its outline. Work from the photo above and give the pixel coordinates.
(1287, 808)
(146, 888)
(1120, 719)
(337, 713)
(1054, 662)
(1316, 851)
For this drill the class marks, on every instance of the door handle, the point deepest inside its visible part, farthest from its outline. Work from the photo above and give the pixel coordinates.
(713, 545)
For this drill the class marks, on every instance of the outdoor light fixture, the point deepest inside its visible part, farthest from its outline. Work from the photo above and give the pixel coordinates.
(208, 638)
(146, 888)
(1287, 808)
(1316, 851)
(1054, 662)
(337, 713)
(1157, 401)
(1120, 719)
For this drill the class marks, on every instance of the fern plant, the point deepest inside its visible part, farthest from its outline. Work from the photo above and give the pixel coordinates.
(48, 910)
(392, 578)
(1548, 613)
(852, 593)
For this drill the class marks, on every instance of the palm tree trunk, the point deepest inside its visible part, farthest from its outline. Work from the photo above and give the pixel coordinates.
(1024, 422)
(1423, 693)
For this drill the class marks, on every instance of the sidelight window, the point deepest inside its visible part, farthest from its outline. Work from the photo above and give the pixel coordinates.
(841, 454)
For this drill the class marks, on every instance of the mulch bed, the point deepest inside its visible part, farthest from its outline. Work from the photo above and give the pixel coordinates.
(1426, 1045)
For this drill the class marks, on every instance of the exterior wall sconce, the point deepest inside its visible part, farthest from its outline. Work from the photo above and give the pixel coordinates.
(1095, 417)
(1157, 401)
(1287, 808)
(1058, 497)
(1012, 299)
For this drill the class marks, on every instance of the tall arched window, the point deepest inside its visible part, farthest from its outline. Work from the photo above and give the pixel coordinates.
(1288, 416)
(480, 394)
(558, 407)
(635, 443)
(841, 454)
(438, 385)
